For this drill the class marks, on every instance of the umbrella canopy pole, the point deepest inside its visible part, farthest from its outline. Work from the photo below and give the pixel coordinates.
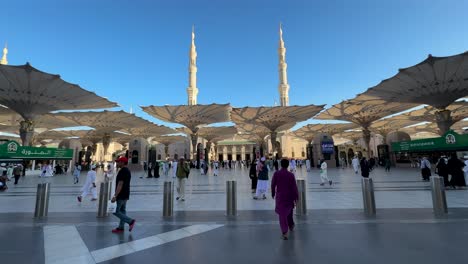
(444, 121)
(26, 131)
(194, 138)
(366, 134)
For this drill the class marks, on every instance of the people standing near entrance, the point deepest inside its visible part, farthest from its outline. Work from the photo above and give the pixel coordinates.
(183, 171)
(425, 169)
(122, 195)
(343, 163)
(284, 191)
(253, 176)
(324, 173)
(174, 168)
(455, 168)
(215, 168)
(308, 164)
(387, 164)
(156, 169)
(275, 164)
(202, 167)
(262, 183)
(442, 170)
(150, 170)
(355, 163)
(365, 169)
(465, 169)
(47, 170)
(17, 172)
(9, 172)
(292, 166)
(90, 185)
(76, 173)
(371, 163)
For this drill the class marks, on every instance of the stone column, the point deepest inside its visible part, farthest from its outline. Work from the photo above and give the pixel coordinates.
(444, 121)
(26, 132)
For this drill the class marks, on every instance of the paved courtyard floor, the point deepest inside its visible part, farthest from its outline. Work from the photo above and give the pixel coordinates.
(335, 229)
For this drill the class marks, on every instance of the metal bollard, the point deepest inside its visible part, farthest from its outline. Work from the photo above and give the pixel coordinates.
(301, 206)
(439, 201)
(368, 196)
(168, 199)
(103, 199)
(42, 200)
(231, 198)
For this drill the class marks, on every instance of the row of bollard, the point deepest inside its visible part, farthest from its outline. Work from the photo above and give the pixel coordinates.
(439, 200)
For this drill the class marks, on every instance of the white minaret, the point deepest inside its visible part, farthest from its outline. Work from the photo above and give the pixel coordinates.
(192, 90)
(283, 87)
(4, 60)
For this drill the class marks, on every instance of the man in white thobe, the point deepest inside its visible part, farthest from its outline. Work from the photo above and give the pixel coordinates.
(323, 173)
(355, 163)
(90, 185)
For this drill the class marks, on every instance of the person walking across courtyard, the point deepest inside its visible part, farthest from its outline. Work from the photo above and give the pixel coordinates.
(122, 195)
(284, 191)
(253, 176)
(365, 169)
(442, 170)
(425, 169)
(183, 171)
(90, 185)
(76, 173)
(355, 163)
(215, 168)
(17, 170)
(324, 173)
(262, 184)
(387, 164)
(455, 168)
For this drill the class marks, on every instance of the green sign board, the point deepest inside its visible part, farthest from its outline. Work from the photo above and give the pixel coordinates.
(12, 150)
(450, 141)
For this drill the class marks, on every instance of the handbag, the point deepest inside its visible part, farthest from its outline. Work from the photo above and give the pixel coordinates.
(111, 207)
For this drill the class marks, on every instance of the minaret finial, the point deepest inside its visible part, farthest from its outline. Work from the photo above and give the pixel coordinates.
(192, 90)
(283, 75)
(4, 60)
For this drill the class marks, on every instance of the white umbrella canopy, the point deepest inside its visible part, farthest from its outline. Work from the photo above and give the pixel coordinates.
(363, 111)
(387, 125)
(150, 130)
(168, 140)
(255, 133)
(191, 116)
(436, 81)
(275, 118)
(106, 121)
(31, 93)
(210, 133)
(458, 111)
(308, 132)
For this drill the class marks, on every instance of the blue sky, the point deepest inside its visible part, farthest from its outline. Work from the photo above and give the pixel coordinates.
(136, 52)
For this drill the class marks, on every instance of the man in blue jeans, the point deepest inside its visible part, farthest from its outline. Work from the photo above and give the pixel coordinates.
(122, 194)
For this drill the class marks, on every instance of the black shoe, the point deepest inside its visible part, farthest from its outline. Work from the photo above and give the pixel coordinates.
(177, 198)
